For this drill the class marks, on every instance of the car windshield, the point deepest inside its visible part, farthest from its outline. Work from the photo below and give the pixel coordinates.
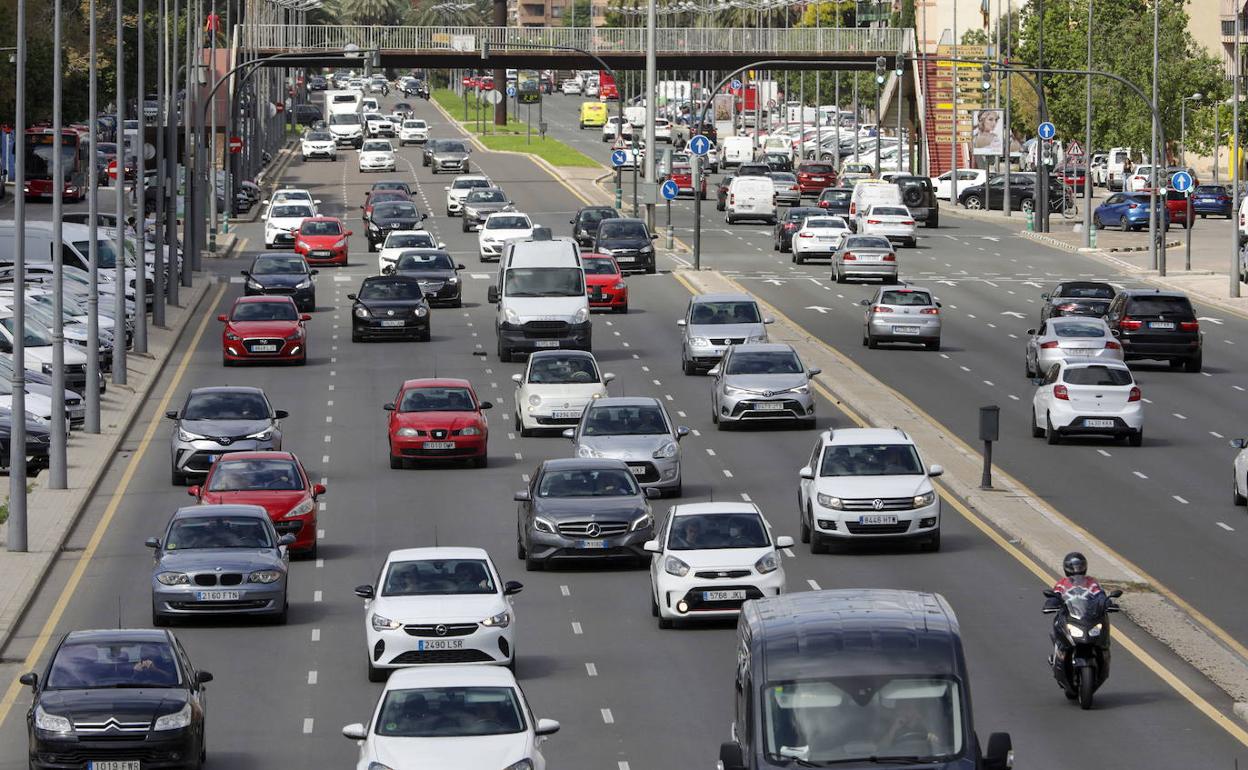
(318, 136)
(387, 196)
(589, 216)
(421, 261)
(238, 475)
(763, 362)
(344, 119)
(562, 369)
(396, 209)
(409, 241)
(1084, 306)
(34, 336)
(389, 186)
(467, 184)
(599, 266)
(836, 195)
(436, 399)
(619, 228)
(868, 243)
(321, 228)
(1097, 375)
(719, 530)
(487, 196)
(1079, 329)
(224, 405)
(862, 719)
(783, 176)
(871, 460)
(1172, 306)
(1085, 291)
(452, 146)
(815, 168)
(97, 665)
(508, 222)
(730, 312)
(798, 215)
(448, 712)
(544, 282)
(641, 420)
(438, 577)
(290, 212)
(890, 211)
(599, 482)
(390, 289)
(278, 266)
(905, 297)
(264, 311)
(1210, 189)
(817, 223)
(376, 147)
(203, 532)
(414, 124)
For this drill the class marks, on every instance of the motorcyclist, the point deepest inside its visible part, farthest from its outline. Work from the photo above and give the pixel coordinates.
(1075, 567)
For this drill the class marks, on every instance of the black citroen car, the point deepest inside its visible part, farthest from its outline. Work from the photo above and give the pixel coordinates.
(437, 273)
(585, 223)
(284, 274)
(117, 698)
(389, 307)
(790, 223)
(392, 215)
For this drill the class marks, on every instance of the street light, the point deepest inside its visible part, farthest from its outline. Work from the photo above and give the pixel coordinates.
(1196, 97)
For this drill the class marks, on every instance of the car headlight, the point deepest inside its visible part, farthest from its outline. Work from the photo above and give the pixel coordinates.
(51, 722)
(295, 335)
(581, 316)
(383, 623)
(700, 342)
(361, 311)
(409, 432)
(421, 312)
(674, 566)
(265, 576)
(828, 501)
(342, 244)
(184, 435)
(254, 284)
(924, 499)
(768, 563)
(511, 316)
(524, 764)
(646, 249)
(263, 435)
(666, 452)
(301, 509)
(470, 431)
(642, 522)
(306, 283)
(803, 389)
(501, 620)
(454, 279)
(731, 391)
(757, 338)
(1074, 631)
(173, 579)
(620, 285)
(535, 400)
(175, 721)
(373, 226)
(378, 766)
(584, 451)
(1095, 630)
(489, 239)
(544, 525)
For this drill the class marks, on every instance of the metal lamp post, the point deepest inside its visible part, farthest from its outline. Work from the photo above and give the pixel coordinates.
(1196, 97)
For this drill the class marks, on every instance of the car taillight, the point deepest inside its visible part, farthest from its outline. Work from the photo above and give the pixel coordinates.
(1111, 345)
(1048, 345)
(1059, 392)
(848, 256)
(824, 205)
(907, 221)
(805, 235)
(930, 311)
(890, 257)
(1189, 326)
(732, 198)
(873, 222)
(1130, 324)
(1136, 395)
(881, 309)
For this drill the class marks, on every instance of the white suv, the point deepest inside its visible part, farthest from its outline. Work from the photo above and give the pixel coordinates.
(867, 484)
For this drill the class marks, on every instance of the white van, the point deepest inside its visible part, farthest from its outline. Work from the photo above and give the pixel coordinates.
(540, 297)
(369, 104)
(1115, 166)
(778, 145)
(751, 197)
(868, 193)
(737, 150)
(337, 102)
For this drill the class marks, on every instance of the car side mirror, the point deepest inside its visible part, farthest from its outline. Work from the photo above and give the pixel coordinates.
(486, 405)
(223, 317)
(768, 320)
(935, 470)
(651, 546)
(812, 372)
(172, 414)
(203, 677)
(314, 272)
(318, 490)
(1049, 594)
(653, 493)
(806, 472)
(681, 432)
(864, 302)
(457, 265)
(522, 496)
(355, 731)
(365, 592)
(714, 371)
(569, 433)
(546, 727)
(245, 272)
(388, 407)
(681, 322)
(784, 541)
(1045, 296)
(30, 679)
(512, 587)
(152, 542)
(280, 414)
(351, 296)
(571, 221)
(607, 377)
(305, 317)
(446, 189)
(286, 539)
(731, 756)
(939, 305)
(517, 378)
(349, 232)
(1239, 443)
(1031, 332)
(491, 296)
(193, 490)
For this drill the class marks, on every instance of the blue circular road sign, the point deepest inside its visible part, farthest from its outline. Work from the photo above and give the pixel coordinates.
(1047, 130)
(670, 190)
(618, 158)
(699, 145)
(736, 85)
(511, 90)
(1181, 181)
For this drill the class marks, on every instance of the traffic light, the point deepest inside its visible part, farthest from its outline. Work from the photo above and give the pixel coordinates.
(900, 66)
(987, 76)
(881, 67)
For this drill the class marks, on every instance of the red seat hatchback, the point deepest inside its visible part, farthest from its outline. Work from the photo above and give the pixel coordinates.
(436, 419)
(604, 283)
(275, 481)
(322, 241)
(264, 328)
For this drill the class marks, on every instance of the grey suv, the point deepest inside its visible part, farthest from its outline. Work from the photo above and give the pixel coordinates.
(919, 196)
(636, 430)
(712, 322)
(219, 420)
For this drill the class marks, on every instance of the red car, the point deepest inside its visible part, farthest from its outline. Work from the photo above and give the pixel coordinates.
(1075, 176)
(604, 283)
(1177, 204)
(264, 328)
(275, 481)
(814, 176)
(682, 175)
(435, 419)
(322, 241)
(382, 196)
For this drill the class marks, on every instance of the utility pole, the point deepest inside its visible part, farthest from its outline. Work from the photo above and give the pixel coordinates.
(953, 131)
(158, 235)
(500, 73)
(171, 163)
(1153, 225)
(17, 535)
(119, 246)
(651, 77)
(1233, 273)
(140, 197)
(92, 392)
(58, 474)
(1087, 144)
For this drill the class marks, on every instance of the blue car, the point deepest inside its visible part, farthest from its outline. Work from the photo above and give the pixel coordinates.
(1212, 199)
(1128, 211)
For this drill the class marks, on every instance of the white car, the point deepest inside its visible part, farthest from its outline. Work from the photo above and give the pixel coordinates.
(459, 189)
(709, 558)
(1077, 398)
(318, 144)
(611, 130)
(555, 388)
(438, 605)
(591, 87)
(283, 220)
(571, 87)
(1239, 485)
(292, 195)
(376, 125)
(399, 241)
(377, 155)
(1140, 178)
(867, 484)
(662, 130)
(413, 131)
(369, 105)
(498, 228)
(967, 177)
(461, 717)
(895, 223)
(818, 237)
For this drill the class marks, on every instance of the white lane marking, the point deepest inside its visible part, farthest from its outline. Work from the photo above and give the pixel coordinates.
(681, 414)
(307, 725)
(989, 383)
(576, 628)
(320, 534)
(479, 277)
(342, 278)
(1141, 475)
(1180, 499)
(325, 459)
(519, 456)
(312, 677)
(329, 403)
(1103, 452)
(327, 439)
(1236, 387)
(621, 765)
(1229, 342)
(524, 477)
(1227, 527)
(1215, 434)
(1013, 396)
(329, 418)
(316, 634)
(813, 585)
(944, 355)
(668, 396)
(565, 590)
(1147, 400)
(607, 716)
(746, 497)
(320, 506)
(727, 473)
(789, 553)
(1181, 417)
(696, 432)
(645, 368)
(1207, 374)
(710, 451)
(964, 368)
(331, 387)
(591, 669)
(316, 596)
(1013, 336)
(511, 437)
(320, 563)
(656, 382)
(625, 344)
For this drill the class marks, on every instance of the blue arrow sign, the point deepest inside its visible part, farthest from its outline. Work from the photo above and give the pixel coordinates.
(670, 190)
(736, 85)
(618, 158)
(1047, 130)
(511, 90)
(1181, 181)
(699, 145)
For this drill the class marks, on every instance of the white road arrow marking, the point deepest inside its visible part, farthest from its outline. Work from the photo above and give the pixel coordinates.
(1014, 313)
(774, 281)
(992, 238)
(1217, 321)
(948, 283)
(1032, 283)
(820, 310)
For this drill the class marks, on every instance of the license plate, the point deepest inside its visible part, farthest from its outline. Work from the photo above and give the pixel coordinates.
(769, 406)
(1098, 423)
(398, 322)
(905, 330)
(723, 596)
(565, 414)
(868, 259)
(440, 644)
(828, 238)
(264, 348)
(217, 596)
(546, 344)
(592, 545)
(877, 518)
(817, 179)
(625, 259)
(1161, 324)
(637, 470)
(325, 253)
(129, 764)
(439, 445)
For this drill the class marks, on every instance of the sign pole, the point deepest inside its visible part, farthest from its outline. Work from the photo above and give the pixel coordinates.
(670, 239)
(1187, 216)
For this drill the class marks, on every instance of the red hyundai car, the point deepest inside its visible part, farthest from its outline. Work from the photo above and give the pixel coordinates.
(264, 328)
(813, 176)
(275, 481)
(437, 419)
(322, 241)
(604, 283)
(682, 175)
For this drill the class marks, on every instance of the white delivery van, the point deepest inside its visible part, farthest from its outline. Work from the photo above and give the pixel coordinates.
(540, 297)
(868, 193)
(636, 116)
(737, 150)
(751, 197)
(347, 101)
(778, 145)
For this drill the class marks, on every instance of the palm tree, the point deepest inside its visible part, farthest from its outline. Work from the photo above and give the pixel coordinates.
(370, 12)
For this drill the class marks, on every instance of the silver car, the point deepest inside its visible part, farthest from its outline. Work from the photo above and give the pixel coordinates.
(765, 382)
(449, 155)
(864, 256)
(1065, 337)
(219, 559)
(218, 420)
(902, 314)
(712, 322)
(480, 203)
(636, 430)
(787, 191)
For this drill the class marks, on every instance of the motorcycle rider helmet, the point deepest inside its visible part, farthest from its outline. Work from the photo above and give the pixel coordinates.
(1074, 564)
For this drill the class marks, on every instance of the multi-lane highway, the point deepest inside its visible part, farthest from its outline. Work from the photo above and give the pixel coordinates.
(627, 694)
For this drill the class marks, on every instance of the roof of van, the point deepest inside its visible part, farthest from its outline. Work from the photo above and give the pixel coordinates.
(861, 631)
(555, 252)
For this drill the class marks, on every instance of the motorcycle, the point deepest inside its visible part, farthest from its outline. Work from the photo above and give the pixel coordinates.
(1081, 637)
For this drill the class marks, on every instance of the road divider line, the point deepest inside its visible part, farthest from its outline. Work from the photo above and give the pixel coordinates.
(591, 669)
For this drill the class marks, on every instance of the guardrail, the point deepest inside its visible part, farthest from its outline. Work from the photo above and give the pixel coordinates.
(624, 40)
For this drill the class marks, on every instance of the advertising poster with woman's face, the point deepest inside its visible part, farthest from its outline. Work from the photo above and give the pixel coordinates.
(988, 136)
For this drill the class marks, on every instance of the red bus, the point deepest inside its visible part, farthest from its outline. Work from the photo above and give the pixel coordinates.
(75, 155)
(607, 90)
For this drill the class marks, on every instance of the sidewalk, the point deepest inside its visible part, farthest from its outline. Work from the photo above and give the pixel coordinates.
(51, 514)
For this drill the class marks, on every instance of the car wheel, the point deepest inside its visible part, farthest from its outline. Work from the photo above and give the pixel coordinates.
(1050, 433)
(356, 337)
(396, 461)
(803, 529)
(973, 203)
(533, 565)
(377, 674)
(872, 342)
(817, 544)
(1027, 205)
(654, 606)
(935, 345)
(1194, 363)
(1036, 430)
(463, 224)
(177, 478)
(798, 259)
(1137, 438)
(1239, 497)
(481, 462)
(688, 367)
(932, 544)
(1122, 222)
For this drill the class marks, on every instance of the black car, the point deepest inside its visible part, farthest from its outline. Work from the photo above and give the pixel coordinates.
(835, 200)
(585, 223)
(284, 274)
(919, 196)
(790, 223)
(1155, 324)
(721, 191)
(117, 698)
(38, 440)
(388, 307)
(1022, 194)
(307, 114)
(629, 241)
(754, 169)
(391, 215)
(437, 273)
(1090, 298)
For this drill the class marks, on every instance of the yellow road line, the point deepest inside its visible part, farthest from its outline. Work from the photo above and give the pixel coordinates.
(1133, 647)
(97, 536)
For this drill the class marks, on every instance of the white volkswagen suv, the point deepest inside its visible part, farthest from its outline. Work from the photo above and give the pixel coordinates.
(867, 484)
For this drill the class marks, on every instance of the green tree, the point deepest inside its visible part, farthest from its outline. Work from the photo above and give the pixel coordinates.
(371, 12)
(828, 13)
(577, 14)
